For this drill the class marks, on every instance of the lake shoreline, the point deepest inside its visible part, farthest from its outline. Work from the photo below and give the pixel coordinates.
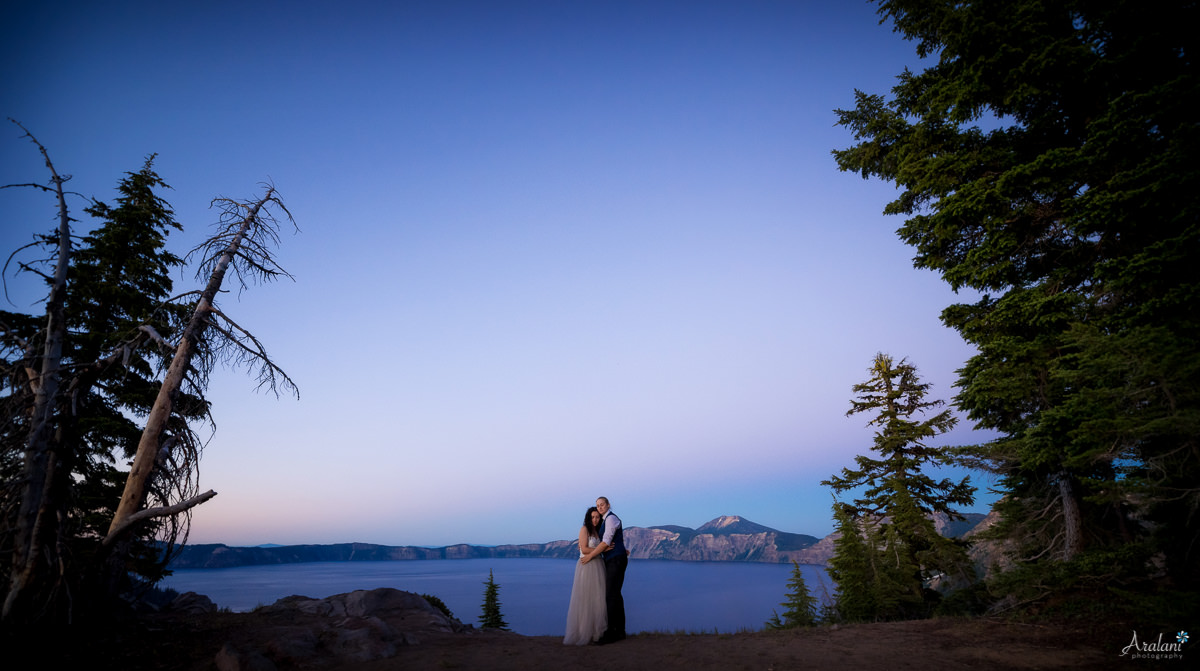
(660, 595)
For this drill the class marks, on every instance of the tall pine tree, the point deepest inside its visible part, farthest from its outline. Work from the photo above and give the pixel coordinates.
(120, 291)
(896, 496)
(1046, 160)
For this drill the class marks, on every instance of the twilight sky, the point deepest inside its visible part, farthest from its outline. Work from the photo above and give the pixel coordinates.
(549, 250)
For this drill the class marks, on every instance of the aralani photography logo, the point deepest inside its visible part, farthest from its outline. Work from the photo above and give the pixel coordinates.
(1157, 649)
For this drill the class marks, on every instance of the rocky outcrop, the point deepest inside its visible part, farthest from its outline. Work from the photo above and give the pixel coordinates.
(728, 538)
(957, 528)
(989, 555)
(818, 553)
(191, 603)
(356, 627)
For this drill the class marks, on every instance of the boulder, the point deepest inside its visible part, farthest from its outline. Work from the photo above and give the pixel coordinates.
(360, 626)
(190, 603)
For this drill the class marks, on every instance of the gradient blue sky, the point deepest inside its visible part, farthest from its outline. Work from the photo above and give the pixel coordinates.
(549, 250)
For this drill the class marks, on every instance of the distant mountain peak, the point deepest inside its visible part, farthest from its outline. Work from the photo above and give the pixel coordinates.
(723, 521)
(732, 524)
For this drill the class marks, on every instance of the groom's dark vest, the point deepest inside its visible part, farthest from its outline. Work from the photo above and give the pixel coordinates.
(618, 543)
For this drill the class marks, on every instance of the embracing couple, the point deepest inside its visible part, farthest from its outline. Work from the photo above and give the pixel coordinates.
(597, 611)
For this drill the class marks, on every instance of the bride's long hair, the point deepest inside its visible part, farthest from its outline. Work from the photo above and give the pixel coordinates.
(587, 522)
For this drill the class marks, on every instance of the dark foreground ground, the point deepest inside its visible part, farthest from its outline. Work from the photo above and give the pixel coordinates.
(930, 645)
(195, 642)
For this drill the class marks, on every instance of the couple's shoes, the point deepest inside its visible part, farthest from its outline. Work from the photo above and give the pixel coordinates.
(606, 639)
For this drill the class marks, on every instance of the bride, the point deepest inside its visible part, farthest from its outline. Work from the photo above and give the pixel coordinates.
(587, 616)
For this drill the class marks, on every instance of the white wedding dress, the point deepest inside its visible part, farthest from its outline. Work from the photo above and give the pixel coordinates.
(587, 616)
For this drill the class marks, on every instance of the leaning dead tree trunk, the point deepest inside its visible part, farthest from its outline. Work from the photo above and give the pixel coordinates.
(241, 245)
(36, 524)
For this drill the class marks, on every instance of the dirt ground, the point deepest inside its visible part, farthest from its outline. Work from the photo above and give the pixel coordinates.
(930, 645)
(192, 644)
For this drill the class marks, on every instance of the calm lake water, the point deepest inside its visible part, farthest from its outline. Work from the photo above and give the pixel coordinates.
(662, 596)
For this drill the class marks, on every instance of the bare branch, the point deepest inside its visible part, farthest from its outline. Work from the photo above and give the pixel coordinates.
(43, 187)
(4, 273)
(251, 350)
(154, 337)
(164, 511)
(250, 259)
(120, 354)
(178, 297)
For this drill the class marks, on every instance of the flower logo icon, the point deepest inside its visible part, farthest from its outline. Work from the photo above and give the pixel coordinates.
(1181, 637)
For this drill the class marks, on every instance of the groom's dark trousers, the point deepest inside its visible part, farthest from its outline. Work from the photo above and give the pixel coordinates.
(614, 568)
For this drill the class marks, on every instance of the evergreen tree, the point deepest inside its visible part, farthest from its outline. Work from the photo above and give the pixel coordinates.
(800, 608)
(491, 617)
(116, 284)
(867, 585)
(897, 496)
(850, 567)
(79, 388)
(120, 291)
(1045, 159)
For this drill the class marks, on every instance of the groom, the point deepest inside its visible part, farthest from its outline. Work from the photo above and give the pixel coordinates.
(616, 559)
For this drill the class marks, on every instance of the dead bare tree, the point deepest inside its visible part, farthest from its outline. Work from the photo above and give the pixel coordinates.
(35, 525)
(47, 559)
(247, 232)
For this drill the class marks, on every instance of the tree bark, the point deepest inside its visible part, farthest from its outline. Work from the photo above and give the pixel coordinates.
(1072, 519)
